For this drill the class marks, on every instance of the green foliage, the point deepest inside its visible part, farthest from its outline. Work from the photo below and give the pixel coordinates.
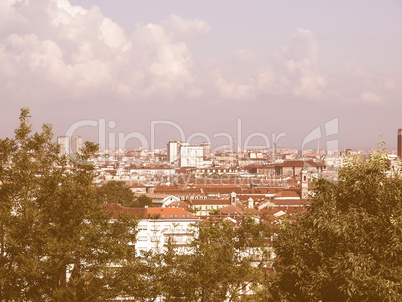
(228, 261)
(57, 242)
(193, 211)
(116, 192)
(143, 201)
(142, 279)
(348, 247)
(215, 212)
(56, 239)
(223, 263)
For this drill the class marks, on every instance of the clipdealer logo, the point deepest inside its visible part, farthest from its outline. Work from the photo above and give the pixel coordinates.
(110, 140)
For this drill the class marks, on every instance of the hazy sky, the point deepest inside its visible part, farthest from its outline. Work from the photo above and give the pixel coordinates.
(278, 66)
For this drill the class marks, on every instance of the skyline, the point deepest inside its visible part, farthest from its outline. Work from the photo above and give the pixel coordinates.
(279, 67)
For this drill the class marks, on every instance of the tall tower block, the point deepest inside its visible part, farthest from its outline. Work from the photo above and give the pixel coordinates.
(304, 184)
(69, 144)
(399, 143)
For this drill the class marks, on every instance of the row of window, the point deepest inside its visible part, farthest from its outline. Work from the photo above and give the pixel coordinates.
(210, 207)
(176, 216)
(157, 227)
(157, 238)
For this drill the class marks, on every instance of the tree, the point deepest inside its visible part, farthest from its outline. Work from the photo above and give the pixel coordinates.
(215, 212)
(143, 201)
(117, 192)
(142, 280)
(229, 260)
(220, 265)
(348, 246)
(57, 242)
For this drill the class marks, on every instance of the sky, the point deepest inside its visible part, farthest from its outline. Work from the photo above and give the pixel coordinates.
(130, 73)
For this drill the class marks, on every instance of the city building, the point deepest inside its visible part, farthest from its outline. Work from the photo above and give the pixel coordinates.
(159, 226)
(207, 150)
(399, 143)
(69, 144)
(184, 155)
(173, 148)
(294, 168)
(204, 206)
(174, 152)
(304, 184)
(191, 156)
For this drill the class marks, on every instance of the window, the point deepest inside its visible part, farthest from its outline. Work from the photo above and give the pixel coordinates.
(155, 227)
(142, 238)
(178, 239)
(142, 227)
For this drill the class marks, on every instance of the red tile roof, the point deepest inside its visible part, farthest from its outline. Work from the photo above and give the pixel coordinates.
(179, 204)
(170, 213)
(210, 201)
(222, 190)
(262, 190)
(144, 213)
(292, 194)
(290, 202)
(249, 211)
(254, 197)
(299, 163)
(231, 210)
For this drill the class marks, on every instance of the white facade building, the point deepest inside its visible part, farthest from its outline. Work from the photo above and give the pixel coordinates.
(69, 144)
(207, 150)
(153, 171)
(173, 152)
(184, 155)
(191, 156)
(162, 225)
(158, 226)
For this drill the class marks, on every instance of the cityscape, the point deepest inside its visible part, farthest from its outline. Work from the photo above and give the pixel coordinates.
(162, 151)
(228, 183)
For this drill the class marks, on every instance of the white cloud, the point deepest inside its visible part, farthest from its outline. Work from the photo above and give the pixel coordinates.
(310, 86)
(389, 84)
(71, 47)
(183, 29)
(50, 48)
(234, 91)
(370, 97)
(302, 64)
(163, 64)
(6, 7)
(113, 35)
(292, 71)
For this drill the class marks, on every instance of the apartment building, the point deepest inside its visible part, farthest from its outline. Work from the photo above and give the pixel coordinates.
(159, 226)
